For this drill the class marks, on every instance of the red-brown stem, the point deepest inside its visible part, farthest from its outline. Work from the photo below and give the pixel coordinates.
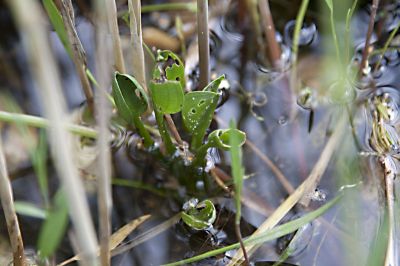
(273, 49)
(365, 54)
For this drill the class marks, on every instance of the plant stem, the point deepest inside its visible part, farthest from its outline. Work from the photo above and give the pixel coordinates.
(391, 256)
(111, 10)
(389, 40)
(169, 146)
(170, 7)
(78, 53)
(29, 18)
(104, 73)
(273, 49)
(203, 42)
(364, 61)
(138, 64)
(39, 122)
(295, 46)
(7, 202)
(143, 132)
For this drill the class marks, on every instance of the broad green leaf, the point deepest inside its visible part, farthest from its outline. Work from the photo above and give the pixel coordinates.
(220, 138)
(213, 85)
(29, 209)
(130, 98)
(54, 226)
(167, 96)
(170, 65)
(197, 112)
(200, 216)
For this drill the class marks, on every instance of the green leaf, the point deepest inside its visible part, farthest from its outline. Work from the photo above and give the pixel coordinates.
(220, 138)
(130, 98)
(200, 216)
(197, 112)
(58, 24)
(235, 139)
(167, 96)
(329, 4)
(29, 209)
(171, 66)
(213, 85)
(54, 227)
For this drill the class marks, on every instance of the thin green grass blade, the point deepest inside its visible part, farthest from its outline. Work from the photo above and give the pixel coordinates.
(29, 209)
(274, 233)
(54, 227)
(39, 160)
(235, 140)
(58, 24)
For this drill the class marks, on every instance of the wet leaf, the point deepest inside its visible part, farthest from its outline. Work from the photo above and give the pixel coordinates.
(220, 138)
(54, 227)
(197, 112)
(200, 216)
(170, 65)
(167, 96)
(130, 98)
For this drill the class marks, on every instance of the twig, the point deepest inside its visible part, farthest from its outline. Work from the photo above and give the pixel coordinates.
(39, 122)
(364, 61)
(273, 48)
(137, 42)
(112, 19)
(7, 202)
(78, 53)
(204, 42)
(30, 21)
(103, 52)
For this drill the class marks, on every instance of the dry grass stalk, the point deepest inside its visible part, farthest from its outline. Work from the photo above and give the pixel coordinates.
(79, 55)
(112, 19)
(137, 42)
(104, 198)
(7, 203)
(29, 18)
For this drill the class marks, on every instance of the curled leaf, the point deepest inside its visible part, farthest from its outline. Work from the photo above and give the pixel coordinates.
(167, 96)
(220, 138)
(199, 216)
(130, 98)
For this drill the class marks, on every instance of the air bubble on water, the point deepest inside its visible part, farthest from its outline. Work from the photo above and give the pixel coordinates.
(308, 33)
(282, 120)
